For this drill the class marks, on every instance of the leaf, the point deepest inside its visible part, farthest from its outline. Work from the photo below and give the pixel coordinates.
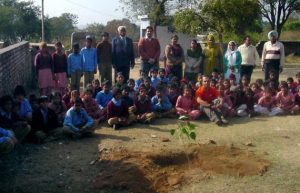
(184, 130)
(173, 131)
(191, 126)
(193, 135)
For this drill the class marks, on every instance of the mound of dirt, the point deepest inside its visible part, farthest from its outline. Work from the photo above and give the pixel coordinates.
(163, 171)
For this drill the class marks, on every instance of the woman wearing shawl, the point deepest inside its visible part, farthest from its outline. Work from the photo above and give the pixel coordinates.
(213, 57)
(232, 62)
(175, 56)
(193, 61)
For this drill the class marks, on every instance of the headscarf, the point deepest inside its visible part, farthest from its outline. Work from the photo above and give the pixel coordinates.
(273, 33)
(210, 39)
(230, 54)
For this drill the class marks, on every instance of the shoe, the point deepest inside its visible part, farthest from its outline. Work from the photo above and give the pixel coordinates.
(224, 120)
(219, 122)
(148, 121)
(183, 117)
(115, 127)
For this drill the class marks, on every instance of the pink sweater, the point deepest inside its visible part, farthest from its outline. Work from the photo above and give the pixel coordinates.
(185, 103)
(285, 102)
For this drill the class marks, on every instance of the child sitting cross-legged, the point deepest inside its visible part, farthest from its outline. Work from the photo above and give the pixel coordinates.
(285, 99)
(117, 111)
(186, 105)
(77, 122)
(58, 106)
(91, 106)
(267, 103)
(161, 104)
(142, 107)
(44, 122)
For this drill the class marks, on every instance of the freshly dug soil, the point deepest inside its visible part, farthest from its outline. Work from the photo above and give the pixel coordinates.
(160, 172)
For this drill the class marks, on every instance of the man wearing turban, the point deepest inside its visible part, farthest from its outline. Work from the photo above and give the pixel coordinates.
(273, 56)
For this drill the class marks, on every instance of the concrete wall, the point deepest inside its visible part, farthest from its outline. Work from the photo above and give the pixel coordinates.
(15, 67)
(164, 37)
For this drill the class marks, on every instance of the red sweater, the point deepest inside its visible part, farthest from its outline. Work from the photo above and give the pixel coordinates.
(115, 111)
(149, 49)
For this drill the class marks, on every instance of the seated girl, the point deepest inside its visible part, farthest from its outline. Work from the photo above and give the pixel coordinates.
(58, 106)
(267, 104)
(186, 104)
(285, 99)
(96, 87)
(117, 111)
(91, 106)
(246, 106)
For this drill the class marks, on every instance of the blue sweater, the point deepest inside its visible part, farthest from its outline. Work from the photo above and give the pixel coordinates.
(75, 62)
(164, 106)
(73, 119)
(103, 99)
(89, 59)
(5, 135)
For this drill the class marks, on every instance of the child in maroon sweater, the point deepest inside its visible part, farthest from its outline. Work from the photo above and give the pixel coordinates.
(296, 109)
(143, 109)
(117, 111)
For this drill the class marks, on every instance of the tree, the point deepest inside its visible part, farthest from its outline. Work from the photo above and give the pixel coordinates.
(18, 20)
(95, 28)
(157, 10)
(277, 12)
(131, 28)
(231, 16)
(62, 27)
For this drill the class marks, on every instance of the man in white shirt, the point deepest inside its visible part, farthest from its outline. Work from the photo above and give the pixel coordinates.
(273, 56)
(250, 57)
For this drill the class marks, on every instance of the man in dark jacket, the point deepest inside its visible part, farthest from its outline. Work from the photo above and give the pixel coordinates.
(122, 53)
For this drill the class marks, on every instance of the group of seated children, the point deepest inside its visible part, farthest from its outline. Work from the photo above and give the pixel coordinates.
(143, 100)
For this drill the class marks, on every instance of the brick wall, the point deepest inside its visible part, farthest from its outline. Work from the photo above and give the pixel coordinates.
(15, 67)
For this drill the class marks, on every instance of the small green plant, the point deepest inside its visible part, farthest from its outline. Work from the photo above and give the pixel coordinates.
(185, 129)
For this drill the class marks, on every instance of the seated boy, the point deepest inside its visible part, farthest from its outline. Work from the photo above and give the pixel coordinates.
(104, 96)
(10, 120)
(143, 110)
(161, 104)
(44, 122)
(77, 122)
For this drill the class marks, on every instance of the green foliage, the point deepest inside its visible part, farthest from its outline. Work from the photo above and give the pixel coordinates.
(187, 21)
(185, 129)
(18, 20)
(95, 28)
(132, 29)
(292, 25)
(230, 16)
(62, 27)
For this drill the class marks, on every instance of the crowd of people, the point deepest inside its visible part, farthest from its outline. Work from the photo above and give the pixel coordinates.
(212, 84)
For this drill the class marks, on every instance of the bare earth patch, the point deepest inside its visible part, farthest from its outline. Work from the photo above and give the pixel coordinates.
(160, 172)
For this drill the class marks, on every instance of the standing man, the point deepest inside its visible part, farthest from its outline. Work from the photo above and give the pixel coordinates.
(250, 57)
(122, 53)
(149, 50)
(104, 50)
(273, 56)
(89, 55)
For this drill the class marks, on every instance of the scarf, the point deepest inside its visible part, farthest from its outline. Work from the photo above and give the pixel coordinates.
(194, 53)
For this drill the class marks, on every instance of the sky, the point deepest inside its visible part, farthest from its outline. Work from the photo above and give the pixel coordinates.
(88, 11)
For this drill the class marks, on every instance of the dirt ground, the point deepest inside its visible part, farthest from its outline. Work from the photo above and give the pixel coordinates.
(259, 154)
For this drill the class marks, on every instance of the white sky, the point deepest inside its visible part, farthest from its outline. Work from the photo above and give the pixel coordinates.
(88, 11)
